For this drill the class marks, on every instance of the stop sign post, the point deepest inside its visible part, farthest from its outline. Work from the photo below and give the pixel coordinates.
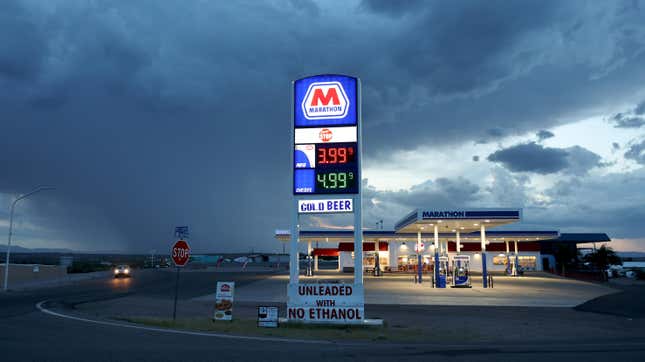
(180, 253)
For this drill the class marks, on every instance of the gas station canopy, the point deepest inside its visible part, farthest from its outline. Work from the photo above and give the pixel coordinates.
(452, 221)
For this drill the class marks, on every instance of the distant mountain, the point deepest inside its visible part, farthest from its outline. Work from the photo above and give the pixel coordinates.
(20, 249)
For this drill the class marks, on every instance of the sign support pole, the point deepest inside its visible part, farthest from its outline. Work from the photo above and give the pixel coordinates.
(294, 260)
(174, 309)
(358, 242)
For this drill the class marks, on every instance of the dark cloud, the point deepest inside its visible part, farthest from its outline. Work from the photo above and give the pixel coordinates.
(393, 8)
(492, 134)
(442, 192)
(476, 158)
(23, 47)
(640, 109)
(636, 152)
(531, 157)
(534, 157)
(581, 160)
(615, 145)
(148, 115)
(622, 120)
(544, 134)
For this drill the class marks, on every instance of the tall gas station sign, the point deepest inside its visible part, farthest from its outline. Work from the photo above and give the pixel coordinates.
(326, 161)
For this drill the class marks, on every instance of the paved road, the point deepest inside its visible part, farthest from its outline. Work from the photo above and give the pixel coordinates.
(28, 334)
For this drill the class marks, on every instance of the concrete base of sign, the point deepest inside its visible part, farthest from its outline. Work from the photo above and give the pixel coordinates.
(365, 322)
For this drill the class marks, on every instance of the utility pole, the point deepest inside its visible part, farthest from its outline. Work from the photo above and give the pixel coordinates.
(13, 206)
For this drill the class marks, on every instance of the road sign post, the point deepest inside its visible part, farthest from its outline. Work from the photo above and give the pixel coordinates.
(180, 253)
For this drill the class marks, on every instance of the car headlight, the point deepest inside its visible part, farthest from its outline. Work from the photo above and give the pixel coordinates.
(116, 271)
(126, 271)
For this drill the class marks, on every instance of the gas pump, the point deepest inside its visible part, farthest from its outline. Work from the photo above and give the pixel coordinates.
(509, 265)
(515, 271)
(461, 271)
(377, 265)
(443, 272)
(309, 270)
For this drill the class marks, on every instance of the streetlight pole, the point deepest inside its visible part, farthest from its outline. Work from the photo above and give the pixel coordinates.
(13, 206)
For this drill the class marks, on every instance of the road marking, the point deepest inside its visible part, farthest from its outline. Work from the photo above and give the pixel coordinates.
(40, 307)
(436, 347)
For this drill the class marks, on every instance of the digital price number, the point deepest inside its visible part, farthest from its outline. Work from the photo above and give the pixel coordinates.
(335, 155)
(341, 181)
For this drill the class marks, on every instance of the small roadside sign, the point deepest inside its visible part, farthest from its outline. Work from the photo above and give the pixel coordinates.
(224, 301)
(268, 316)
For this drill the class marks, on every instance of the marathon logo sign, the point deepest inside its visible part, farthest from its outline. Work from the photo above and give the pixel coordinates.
(325, 303)
(444, 214)
(325, 100)
(325, 206)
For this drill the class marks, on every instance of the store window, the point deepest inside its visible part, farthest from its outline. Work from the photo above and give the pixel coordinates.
(499, 260)
(527, 262)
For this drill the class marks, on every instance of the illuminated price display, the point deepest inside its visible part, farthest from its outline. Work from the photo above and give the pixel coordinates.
(336, 154)
(336, 182)
(330, 168)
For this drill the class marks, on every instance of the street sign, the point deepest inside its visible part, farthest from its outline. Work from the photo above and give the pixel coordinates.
(181, 231)
(180, 253)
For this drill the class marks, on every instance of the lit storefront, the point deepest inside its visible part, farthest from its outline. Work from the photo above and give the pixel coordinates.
(446, 233)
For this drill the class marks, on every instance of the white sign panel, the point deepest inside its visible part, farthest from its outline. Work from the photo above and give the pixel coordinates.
(325, 134)
(325, 206)
(326, 303)
(224, 301)
(305, 156)
(268, 317)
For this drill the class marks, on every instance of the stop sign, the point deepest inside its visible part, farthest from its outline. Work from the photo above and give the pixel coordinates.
(180, 253)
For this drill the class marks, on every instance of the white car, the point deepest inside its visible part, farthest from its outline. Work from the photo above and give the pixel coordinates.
(122, 271)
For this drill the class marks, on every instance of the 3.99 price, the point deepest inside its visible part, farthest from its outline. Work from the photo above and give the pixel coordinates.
(335, 155)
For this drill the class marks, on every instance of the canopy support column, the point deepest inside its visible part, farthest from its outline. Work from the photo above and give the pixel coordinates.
(458, 246)
(419, 257)
(436, 255)
(293, 246)
(483, 246)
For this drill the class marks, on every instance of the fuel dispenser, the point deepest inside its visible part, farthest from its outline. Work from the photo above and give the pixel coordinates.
(309, 270)
(516, 265)
(377, 265)
(442, 277)
(509, 265)
(461, 271)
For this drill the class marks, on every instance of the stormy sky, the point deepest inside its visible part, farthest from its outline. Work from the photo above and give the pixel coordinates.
(150, 114)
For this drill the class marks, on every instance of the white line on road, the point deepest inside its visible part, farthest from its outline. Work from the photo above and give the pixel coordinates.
(40, 307)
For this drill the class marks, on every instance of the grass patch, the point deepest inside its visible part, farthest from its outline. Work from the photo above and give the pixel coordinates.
(287, 330)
